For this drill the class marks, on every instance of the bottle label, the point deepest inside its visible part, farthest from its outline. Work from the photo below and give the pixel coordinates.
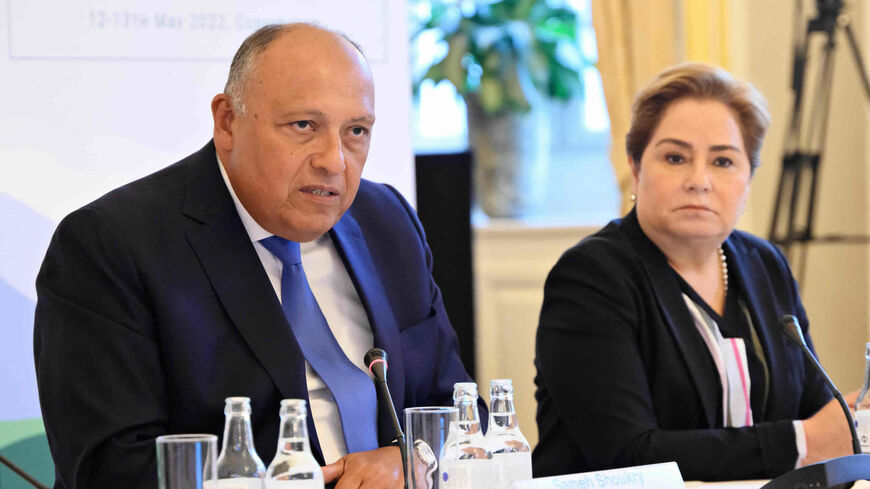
(862, 420)
(466, 474)
(510, 467)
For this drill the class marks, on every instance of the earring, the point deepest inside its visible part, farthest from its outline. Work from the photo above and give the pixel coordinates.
(632, 197)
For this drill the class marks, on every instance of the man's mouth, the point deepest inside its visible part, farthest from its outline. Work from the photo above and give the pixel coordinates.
(320, 192)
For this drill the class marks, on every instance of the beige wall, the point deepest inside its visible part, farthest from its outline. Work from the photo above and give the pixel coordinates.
(835, 289)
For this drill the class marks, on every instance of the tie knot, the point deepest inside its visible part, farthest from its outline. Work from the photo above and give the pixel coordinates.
(286, 251)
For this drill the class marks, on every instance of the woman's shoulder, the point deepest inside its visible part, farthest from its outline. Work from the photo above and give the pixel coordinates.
(748, 244)
(609, 248)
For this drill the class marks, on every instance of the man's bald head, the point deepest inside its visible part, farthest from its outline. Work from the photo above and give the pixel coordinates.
(248, 55)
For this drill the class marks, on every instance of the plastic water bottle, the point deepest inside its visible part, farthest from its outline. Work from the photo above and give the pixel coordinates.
(239, 466)
(511, 453)
(294, 467)
(862, 406)
(466, 464)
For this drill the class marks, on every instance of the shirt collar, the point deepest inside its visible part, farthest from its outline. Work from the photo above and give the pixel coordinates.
(255, 231)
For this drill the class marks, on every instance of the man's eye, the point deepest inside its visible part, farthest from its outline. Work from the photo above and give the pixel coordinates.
(359, 131)
(302, 124)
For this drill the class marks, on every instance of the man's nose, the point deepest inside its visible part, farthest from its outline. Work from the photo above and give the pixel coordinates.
(330, 158)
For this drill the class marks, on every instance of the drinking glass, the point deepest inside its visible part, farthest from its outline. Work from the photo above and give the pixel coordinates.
(186, 461)
(426, 431)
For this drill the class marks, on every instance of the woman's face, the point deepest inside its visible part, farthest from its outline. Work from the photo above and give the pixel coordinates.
(693, 178)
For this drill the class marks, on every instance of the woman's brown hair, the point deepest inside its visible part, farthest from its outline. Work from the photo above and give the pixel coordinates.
(705, 82)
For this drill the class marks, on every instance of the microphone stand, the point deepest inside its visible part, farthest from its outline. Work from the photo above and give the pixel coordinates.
(836, 472)
(400, 435)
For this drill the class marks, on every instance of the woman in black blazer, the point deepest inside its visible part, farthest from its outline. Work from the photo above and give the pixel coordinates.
(659, 335)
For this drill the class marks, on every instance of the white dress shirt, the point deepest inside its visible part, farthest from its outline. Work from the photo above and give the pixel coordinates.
(344, 312)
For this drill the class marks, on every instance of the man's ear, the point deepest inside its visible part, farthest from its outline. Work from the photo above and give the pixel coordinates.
(223, 114)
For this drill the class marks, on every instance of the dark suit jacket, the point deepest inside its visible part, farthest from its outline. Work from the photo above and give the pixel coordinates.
(153, 307)
(624, 377)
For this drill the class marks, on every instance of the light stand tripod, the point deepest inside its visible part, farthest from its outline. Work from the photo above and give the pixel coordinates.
(802, 153)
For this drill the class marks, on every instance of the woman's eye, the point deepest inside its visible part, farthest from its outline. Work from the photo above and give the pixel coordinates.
(723, 161)
(674, 158)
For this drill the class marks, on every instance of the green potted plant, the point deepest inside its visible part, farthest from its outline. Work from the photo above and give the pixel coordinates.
(506, 58)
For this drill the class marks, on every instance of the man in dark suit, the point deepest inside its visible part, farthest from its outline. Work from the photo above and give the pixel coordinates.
(159, 300)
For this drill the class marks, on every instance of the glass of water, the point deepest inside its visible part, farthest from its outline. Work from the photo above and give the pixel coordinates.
(426, 431)
(186, 461)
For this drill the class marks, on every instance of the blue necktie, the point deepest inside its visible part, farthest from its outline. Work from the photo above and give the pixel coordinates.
(352, 389)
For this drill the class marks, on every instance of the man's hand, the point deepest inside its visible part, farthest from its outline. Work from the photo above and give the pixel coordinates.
(375, 469)
(827, 432)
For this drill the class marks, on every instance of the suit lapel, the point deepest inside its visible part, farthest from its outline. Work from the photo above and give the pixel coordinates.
(677, 318)
(352, 248)
(224, 249)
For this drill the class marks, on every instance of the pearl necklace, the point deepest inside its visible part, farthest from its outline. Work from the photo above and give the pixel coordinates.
(724, 264)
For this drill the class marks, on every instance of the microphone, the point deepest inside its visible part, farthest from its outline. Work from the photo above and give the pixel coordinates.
(840, 471)
(793, 331)
(376, 361)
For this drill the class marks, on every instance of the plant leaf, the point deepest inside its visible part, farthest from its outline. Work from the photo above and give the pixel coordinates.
(507, 50)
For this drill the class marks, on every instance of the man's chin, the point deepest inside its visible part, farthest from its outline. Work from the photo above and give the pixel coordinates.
(309, 229)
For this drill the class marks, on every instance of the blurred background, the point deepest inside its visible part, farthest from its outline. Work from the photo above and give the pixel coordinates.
(503, 121)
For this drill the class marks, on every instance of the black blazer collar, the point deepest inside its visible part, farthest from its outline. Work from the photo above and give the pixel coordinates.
(677, 317)
(224, 249)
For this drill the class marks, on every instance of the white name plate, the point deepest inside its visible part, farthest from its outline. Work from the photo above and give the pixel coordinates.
(655, 476)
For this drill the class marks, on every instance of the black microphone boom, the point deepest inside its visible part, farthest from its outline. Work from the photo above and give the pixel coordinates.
(836, 472)
(376, 361)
